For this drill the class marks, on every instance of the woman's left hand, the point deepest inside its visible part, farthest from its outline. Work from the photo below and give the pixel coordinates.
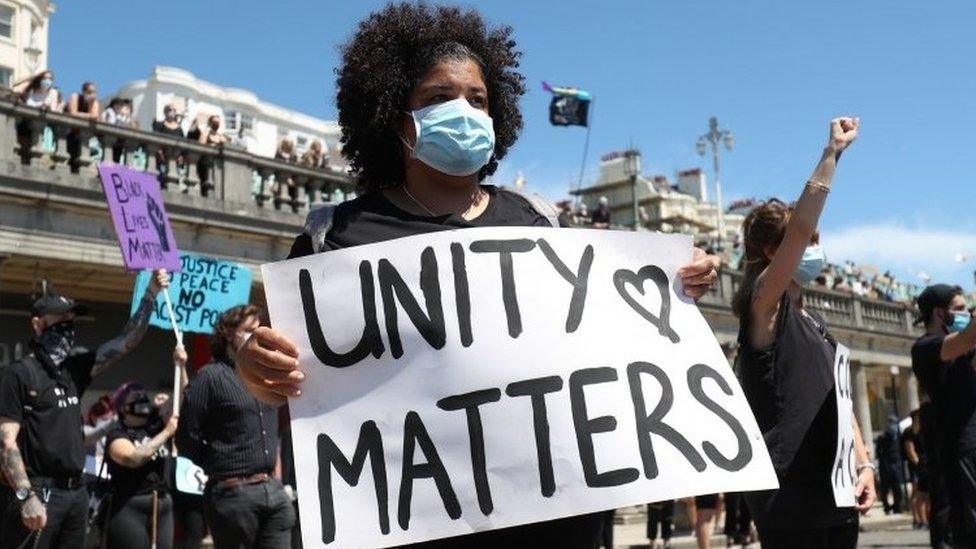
(699, 275)
(864, 493)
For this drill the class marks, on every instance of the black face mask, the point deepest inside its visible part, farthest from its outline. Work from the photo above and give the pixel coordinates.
(142, 407)
(57, 340)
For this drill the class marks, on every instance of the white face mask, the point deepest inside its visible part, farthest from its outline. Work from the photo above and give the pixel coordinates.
(810, 266)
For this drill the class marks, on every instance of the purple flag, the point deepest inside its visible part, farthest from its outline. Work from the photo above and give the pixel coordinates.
(141, 225)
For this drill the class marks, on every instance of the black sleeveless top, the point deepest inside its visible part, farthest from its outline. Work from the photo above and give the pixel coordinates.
(790, 387)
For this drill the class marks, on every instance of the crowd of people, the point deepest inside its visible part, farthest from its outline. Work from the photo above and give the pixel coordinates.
(421, 160)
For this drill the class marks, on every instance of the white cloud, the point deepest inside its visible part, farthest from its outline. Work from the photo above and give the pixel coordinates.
(905, 250)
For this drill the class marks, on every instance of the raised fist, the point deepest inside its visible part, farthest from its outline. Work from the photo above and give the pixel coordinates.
(843, 132)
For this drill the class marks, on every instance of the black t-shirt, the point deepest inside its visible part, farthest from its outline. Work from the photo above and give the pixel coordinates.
(952, 387)
(372, 218)
(44, 400)
(790, 387)
(160, 127)
(151, 476)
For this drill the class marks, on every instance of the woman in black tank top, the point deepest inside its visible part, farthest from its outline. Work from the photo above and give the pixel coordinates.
(785, 363)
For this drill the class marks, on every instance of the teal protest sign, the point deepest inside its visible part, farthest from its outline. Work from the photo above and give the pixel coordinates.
(203, 289)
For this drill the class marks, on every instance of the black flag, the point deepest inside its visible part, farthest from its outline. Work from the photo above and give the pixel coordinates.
(566, 110)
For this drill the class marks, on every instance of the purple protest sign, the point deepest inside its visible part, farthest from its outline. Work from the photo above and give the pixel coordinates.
(141, 225)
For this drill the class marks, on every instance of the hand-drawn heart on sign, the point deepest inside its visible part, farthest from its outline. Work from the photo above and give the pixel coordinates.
(624, 277)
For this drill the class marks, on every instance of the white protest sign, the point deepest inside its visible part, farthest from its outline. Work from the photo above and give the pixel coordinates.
(190, 478)
(476, 379)
(842, 476)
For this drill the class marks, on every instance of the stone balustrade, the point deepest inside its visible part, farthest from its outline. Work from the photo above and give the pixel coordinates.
(62, 143)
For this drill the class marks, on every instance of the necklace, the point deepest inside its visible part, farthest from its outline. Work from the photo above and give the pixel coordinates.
(474, 203)
(415, 201)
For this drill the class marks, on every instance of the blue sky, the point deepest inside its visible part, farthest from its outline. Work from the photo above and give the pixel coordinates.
(773, 72)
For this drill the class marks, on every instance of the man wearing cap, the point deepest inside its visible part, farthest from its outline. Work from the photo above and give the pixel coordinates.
(942, 360)
(43, 502)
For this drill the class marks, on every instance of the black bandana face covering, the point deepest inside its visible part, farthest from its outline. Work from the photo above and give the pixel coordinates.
(57, 340)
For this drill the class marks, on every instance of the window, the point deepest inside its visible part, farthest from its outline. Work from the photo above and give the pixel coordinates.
(6, 75)
(301, 142)
(230, 120)
(247, 121)
(6, 21)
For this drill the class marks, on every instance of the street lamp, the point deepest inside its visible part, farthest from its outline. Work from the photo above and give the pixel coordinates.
(714, 136)
(632, 170)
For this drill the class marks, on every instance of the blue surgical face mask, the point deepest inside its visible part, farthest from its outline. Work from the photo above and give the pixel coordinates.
(46, 83)
(453, 137)
(960, 320)
(810, 266)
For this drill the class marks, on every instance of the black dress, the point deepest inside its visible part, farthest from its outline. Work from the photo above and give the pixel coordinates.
(790, 388)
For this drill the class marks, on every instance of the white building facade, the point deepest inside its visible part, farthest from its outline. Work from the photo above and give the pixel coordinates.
(24, 28)
(259, 126)
(682, 207)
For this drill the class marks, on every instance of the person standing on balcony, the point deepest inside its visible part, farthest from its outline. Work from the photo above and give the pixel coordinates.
(37, 91)
(425, 118)
(170, 125)
(786, 362)
(85, 104)
(314, 157)
(942, 360)
(213, 137)
(43, 501)
(82, 105)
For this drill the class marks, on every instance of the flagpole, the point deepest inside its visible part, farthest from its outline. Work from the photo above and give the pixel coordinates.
(586, 149)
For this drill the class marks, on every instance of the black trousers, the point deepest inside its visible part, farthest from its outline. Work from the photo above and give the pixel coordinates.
(129, 524)
(606, 535)
(67, 519)
(188, 518)
(843, 536)
(738, 519)
(250, 516)
(962, 500)
(939, 535)
(660, 513)
(890, 484)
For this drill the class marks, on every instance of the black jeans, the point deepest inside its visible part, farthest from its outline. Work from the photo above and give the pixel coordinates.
(660, 513)
(67, 519)
(842, 536)
(130, 523)
(249, 516)
(738, 519)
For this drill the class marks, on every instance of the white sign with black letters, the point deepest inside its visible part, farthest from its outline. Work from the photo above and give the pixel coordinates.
(842, 476)
(468, 380)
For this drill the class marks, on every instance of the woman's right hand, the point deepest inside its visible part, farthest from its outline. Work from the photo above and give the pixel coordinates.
(843, 132)
(267, 363)
(171, 424)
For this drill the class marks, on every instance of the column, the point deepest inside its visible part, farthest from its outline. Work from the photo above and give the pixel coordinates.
(862, 406)
(909, 391)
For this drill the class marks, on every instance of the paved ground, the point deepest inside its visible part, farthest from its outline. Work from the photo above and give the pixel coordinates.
(878, 530)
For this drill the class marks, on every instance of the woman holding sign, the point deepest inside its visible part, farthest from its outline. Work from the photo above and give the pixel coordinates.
(786, 364)
(428, 104)
(140, 509)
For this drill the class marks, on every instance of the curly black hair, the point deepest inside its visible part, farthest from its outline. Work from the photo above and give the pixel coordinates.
(389, 53)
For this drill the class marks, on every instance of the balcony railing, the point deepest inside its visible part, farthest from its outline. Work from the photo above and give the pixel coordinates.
(58, 142)
(840, 310)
